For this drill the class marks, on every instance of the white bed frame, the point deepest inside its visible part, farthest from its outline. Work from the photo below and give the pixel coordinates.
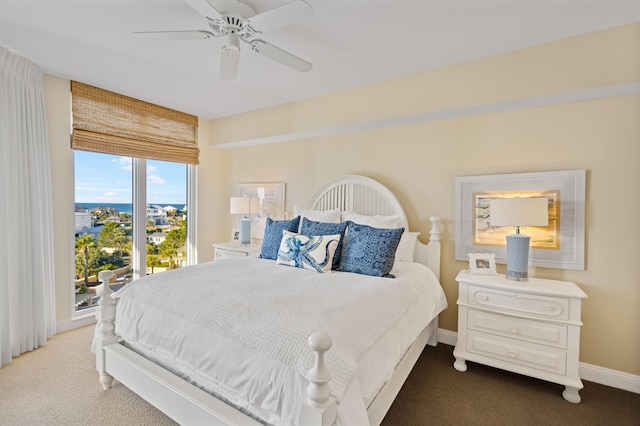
(189, 405)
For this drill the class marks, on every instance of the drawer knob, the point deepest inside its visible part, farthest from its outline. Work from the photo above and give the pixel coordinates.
(513, 354)
(513, 329)
(485, 298)
(549, 308)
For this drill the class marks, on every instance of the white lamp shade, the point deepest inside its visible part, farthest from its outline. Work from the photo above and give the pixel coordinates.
(532, 211)
(240, 205)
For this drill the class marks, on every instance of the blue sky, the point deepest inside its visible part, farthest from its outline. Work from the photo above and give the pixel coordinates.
(102, 178)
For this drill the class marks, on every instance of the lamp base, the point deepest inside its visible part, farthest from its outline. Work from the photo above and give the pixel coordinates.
(514, 276)
(517, 257)
(245, 231)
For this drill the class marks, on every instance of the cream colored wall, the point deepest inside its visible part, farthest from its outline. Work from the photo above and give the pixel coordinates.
(58, 105)
(419, 162)
(214, 221)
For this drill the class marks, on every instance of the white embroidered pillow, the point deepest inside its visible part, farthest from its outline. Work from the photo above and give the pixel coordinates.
(314, 252)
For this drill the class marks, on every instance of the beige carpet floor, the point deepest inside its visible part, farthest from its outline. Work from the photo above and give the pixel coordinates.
(58, 385)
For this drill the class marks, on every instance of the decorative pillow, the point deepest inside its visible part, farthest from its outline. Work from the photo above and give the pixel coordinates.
(369, 251)
(393, 221)
(331, 216)
(273, 235)
(310, 227)
(313, 252)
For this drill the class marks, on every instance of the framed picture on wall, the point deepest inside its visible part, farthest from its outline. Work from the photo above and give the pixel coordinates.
(271, 204)
(559, 245)
(270, 196)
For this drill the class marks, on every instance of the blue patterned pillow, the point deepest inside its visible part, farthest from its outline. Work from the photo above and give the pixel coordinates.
(313, 252)
(273, 235)
(369, 251)
(310, 227)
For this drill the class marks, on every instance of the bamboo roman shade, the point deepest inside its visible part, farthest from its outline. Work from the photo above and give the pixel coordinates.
(111, 123)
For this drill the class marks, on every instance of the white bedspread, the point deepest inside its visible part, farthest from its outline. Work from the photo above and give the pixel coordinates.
(272, 309)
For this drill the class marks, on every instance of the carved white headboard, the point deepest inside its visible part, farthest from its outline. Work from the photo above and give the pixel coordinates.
(366, 196)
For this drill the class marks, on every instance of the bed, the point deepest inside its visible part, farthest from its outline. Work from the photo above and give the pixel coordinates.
(312, 349)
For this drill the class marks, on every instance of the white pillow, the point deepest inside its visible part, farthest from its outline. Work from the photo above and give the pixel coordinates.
(385, 222)
(406, 250)
(329, 216)
(406, 247)
(308, 252)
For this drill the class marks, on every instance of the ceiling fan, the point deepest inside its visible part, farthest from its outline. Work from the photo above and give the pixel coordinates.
(238, 22)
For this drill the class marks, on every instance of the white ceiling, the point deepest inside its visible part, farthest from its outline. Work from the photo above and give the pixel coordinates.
(349, 42)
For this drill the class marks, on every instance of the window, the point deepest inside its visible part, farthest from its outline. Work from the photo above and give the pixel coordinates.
(103, 221)
(104, 225)
(134, 174)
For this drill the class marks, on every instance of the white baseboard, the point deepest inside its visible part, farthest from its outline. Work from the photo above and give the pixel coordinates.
(609, 377)
(447, 337)
(589, 372)
(72, 323)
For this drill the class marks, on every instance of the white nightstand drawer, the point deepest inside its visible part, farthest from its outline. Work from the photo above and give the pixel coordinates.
(554, 335)
(235, 249)
(532, 304)
(222, 253)
(517, 352)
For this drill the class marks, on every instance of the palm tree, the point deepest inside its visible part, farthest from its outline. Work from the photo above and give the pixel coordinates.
(83, 244)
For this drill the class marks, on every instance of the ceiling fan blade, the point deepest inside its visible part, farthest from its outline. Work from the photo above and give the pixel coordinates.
(229, 58)
(174, 35)
(281, 16)
(205, 8)
(276, 54)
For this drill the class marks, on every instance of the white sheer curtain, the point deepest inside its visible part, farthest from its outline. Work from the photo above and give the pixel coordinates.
(27, 293)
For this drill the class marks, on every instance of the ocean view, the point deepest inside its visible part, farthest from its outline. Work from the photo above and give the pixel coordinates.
(125, 207)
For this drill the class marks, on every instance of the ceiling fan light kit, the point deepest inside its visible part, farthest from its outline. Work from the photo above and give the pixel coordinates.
(237, 22)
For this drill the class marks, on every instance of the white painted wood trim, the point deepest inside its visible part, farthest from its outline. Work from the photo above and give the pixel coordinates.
(609, 377)
(385, 397)
(358, 194)
(177, 398)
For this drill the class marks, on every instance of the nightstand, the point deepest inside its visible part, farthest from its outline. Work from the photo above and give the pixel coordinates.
(530, 328)
(235, 249)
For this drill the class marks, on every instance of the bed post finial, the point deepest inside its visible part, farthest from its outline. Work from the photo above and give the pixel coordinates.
(105, 328)
(434, 234)
(320, 408)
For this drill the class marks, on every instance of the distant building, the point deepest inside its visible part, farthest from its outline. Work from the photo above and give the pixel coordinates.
(83, 220)
(157, 237)
(105, 210)
(170, 209)
(157, 214)
(94, 231)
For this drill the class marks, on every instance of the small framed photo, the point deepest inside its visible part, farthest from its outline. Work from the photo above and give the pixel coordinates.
(235, 235)
(482, 263)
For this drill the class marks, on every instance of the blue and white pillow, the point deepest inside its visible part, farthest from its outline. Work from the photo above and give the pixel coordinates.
(369, 251)
(273, 235)
(310, 227)
(314, 252)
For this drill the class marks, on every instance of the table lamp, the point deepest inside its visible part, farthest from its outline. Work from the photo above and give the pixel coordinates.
(518, 212)
(244, 206)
